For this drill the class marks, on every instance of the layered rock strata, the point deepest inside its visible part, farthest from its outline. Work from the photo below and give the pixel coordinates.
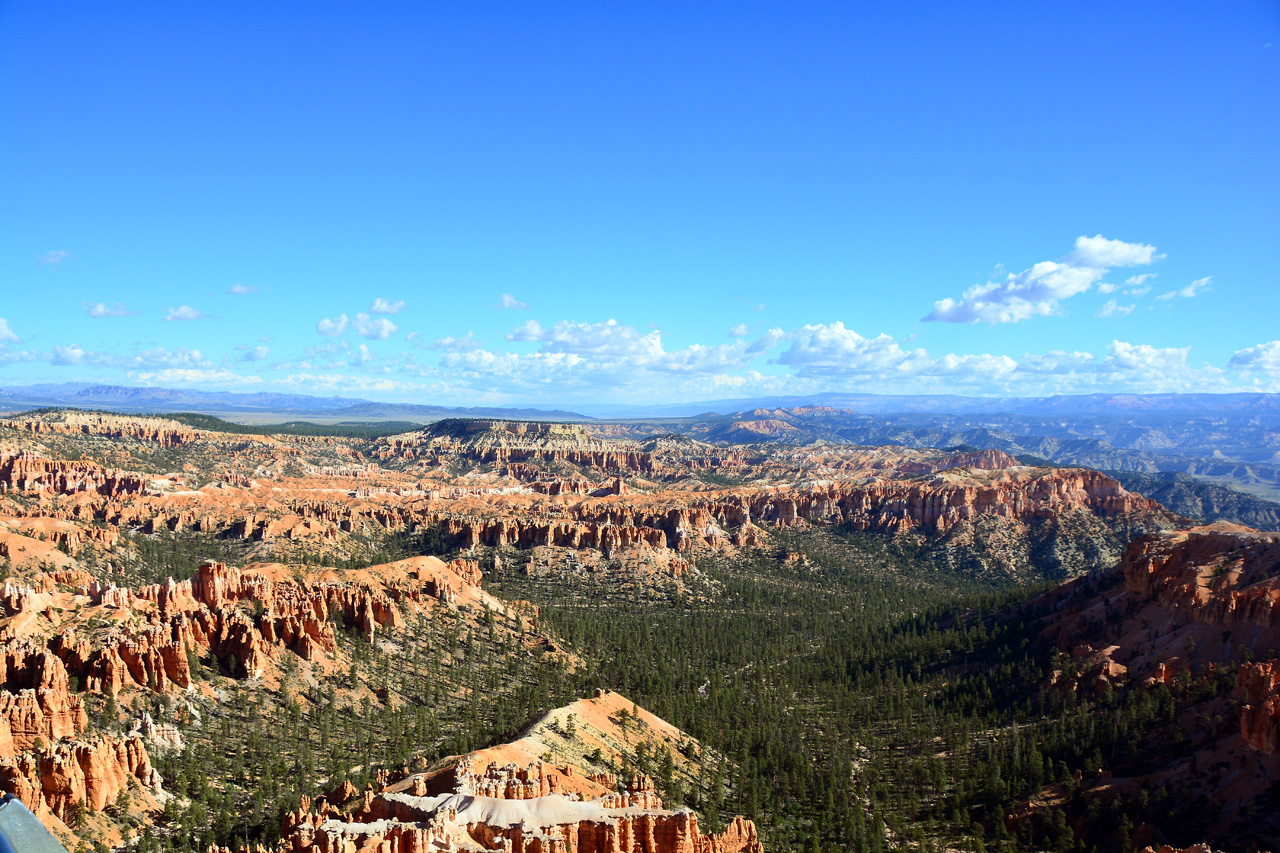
(68, 774)
(204, 615)
(1260, 717)
(162, 431)
(241, 618)
(533, 807)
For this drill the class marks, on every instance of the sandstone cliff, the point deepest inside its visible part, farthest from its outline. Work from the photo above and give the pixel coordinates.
(36, 704)
(503, 799)
(525, 489)
(240, 619)
(162, 431)
(1260, 717)
(89, 772)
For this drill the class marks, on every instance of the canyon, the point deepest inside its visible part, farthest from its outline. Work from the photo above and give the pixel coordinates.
(156, 571)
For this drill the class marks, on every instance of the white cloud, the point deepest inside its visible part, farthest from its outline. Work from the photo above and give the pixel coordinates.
(72, 354)
(1263, 358)
(607, 338)
(18, 357)
(833, 350)
(333, 327)
(1039, 290)
(509, 301)
(739, 331)
(382, 306)
(53, 257)
(605, 356)
(194, 376)
(467, 343)
(332, 347)
(157, 357)
(613, 346)
(256, 354)
(765, 342)
(1126, 366)
(1057, 363)
(1111, 309)
(1140, 279)
(102, 309)
(161, 357)
(182, 313)
(1145, 359)
(1195, 288)
(1099, 252)
(1106, 287)
(836, 355)
(8, 335)
(379, 328)
(243, 289)
(1029, 293)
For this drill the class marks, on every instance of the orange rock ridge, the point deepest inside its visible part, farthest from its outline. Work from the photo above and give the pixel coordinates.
(1221, 574)
(29, 472)
(92, 772)
(199, 615)
(39, 715)
(522, 808)
(162, 431)
(1260, 718)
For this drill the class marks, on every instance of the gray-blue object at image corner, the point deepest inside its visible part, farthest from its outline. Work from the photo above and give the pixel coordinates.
(21, 832)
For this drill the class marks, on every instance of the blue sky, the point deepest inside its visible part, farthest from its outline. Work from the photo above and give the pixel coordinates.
(656, 203)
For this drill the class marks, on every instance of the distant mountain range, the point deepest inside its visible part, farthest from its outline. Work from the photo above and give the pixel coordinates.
(1236, 444)
(1074, 405)
(1264, 408)
(121, 398)
(1183, 447)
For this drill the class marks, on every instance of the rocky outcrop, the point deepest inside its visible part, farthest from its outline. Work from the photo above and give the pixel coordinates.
(1220, 574)
(91, 772)
(162, 431)
(521, 504)
(552, 823)
(523, 447)
(36, 704)
(27, 473)
(513, 442)
(524, 806)
(244, 618)
(1260, 718)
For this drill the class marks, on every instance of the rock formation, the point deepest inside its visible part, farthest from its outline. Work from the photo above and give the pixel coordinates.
(1181, 608)
(1260, 718)
(162, 431)
(525, 488)
(1220, 574)
(240, 618)
(28, 472)
(90, 772)
(36, 705)
(524, 805)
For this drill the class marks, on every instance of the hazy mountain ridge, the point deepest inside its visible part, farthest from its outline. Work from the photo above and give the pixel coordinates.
(1202, 501)
(1234, 447)
(167, 400)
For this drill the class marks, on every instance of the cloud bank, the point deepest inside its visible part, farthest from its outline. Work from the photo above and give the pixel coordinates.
(1039, 290)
